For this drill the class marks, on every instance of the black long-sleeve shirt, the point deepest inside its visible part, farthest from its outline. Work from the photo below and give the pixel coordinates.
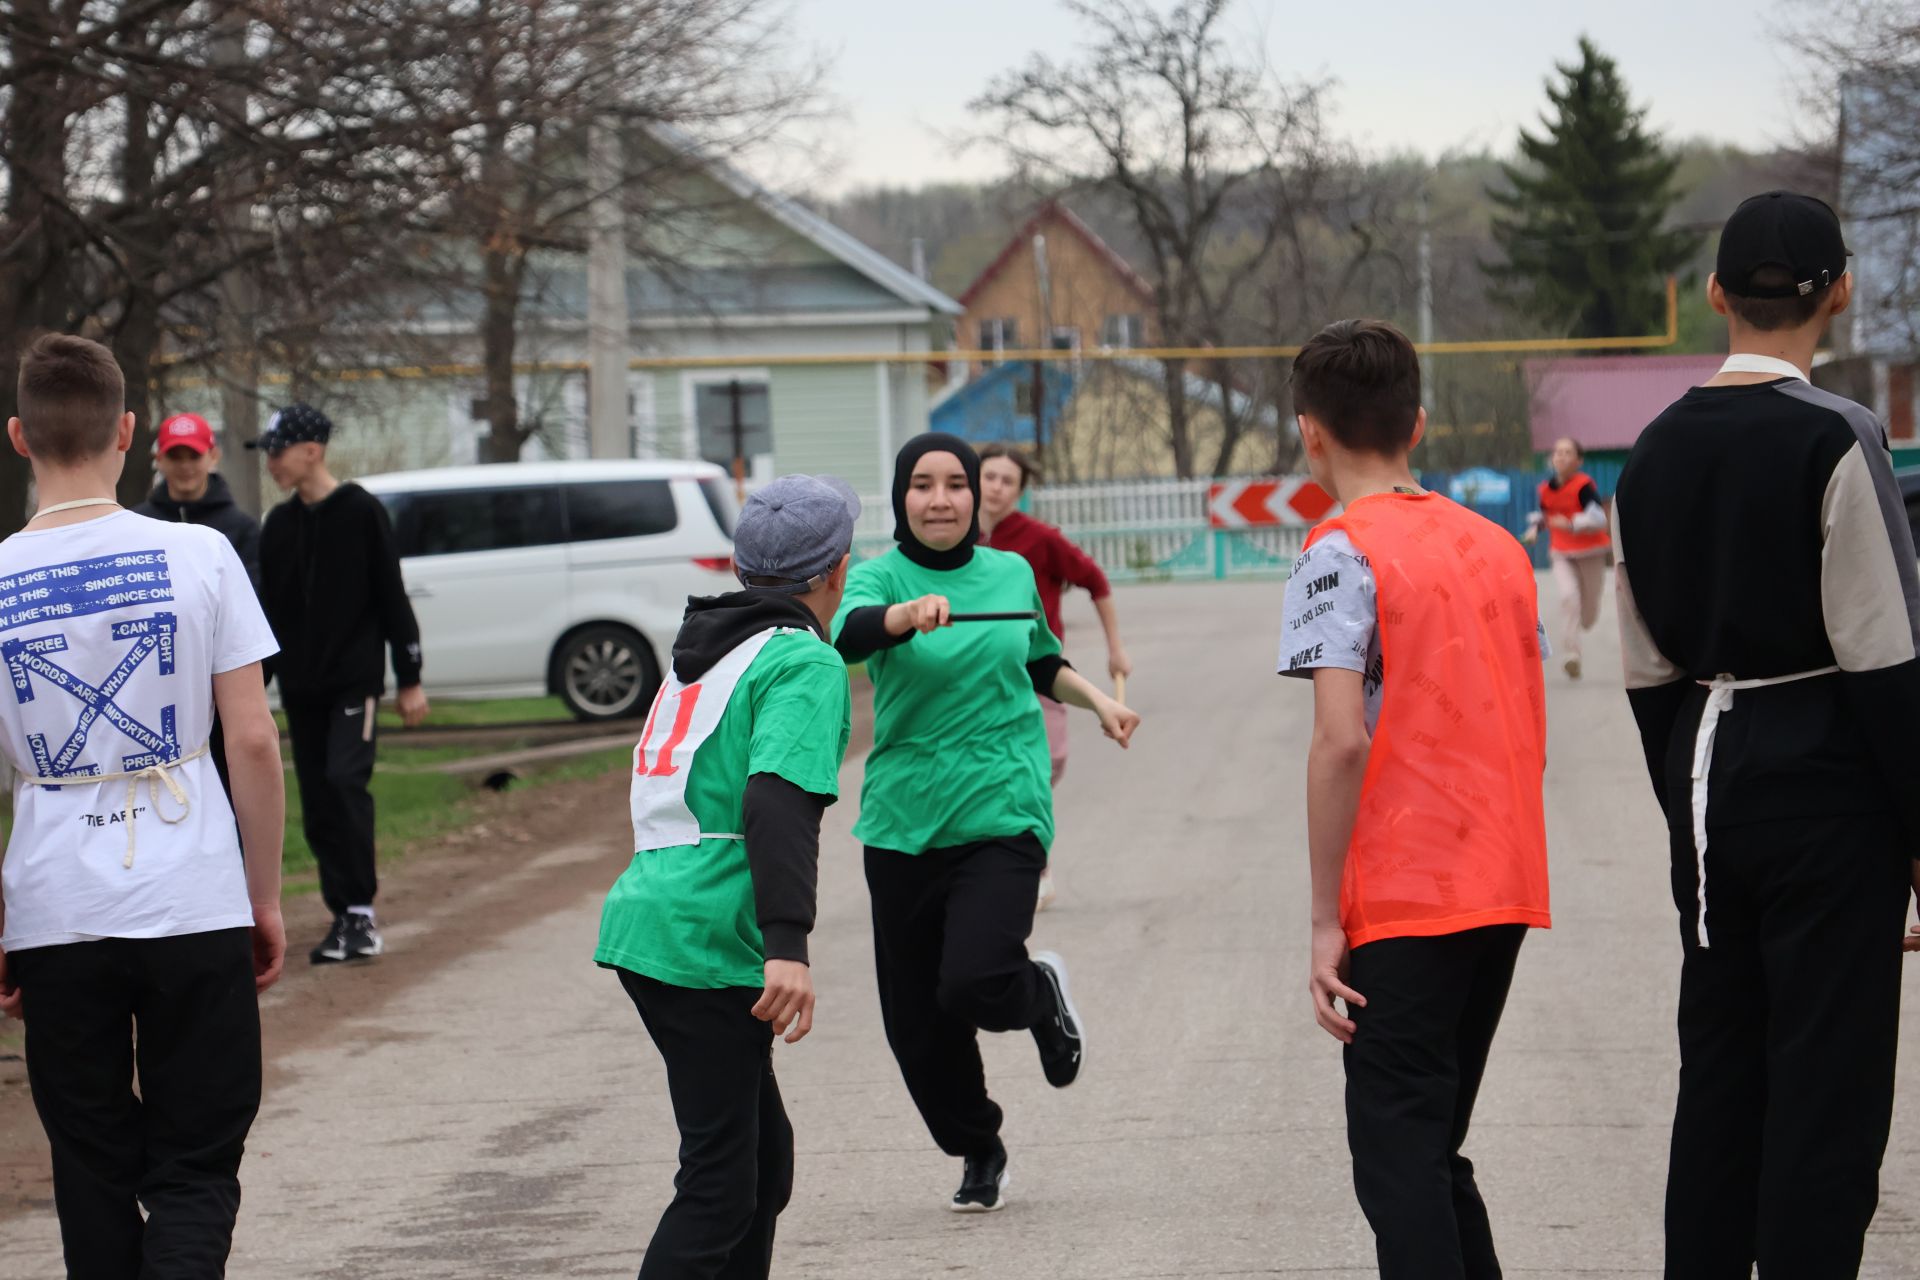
(1760, 533)
(331, 586)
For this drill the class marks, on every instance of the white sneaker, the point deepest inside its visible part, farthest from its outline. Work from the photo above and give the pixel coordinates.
(1046, 890)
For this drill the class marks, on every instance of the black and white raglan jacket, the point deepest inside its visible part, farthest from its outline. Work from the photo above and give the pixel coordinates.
(1760, 535)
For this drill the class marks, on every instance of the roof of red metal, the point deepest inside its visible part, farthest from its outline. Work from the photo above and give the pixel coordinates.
(1604, 402)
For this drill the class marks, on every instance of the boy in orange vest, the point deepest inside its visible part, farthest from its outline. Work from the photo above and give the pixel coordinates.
(1424, 818)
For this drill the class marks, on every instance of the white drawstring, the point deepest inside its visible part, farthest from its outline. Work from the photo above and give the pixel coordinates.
(155, 775)
(1720, 691)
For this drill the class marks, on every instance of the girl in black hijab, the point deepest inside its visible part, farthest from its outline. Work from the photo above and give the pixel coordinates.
(956, 811)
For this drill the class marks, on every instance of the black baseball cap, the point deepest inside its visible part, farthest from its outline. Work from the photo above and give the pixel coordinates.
(1800, 234)
(295, 424)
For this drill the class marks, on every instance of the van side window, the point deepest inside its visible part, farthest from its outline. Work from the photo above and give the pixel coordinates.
(439, 523)
(619, 509)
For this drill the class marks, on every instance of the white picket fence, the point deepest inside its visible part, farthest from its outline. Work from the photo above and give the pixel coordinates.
(1141, 530)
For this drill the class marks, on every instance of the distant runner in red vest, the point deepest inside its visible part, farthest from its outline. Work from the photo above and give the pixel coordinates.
(1578, 540)
(1057, 564)
(1417, 621)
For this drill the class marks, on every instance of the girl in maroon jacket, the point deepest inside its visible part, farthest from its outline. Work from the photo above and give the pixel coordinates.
(1057, 564)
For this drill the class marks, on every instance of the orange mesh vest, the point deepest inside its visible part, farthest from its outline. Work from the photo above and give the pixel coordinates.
(1450, 834)
(1565, 501)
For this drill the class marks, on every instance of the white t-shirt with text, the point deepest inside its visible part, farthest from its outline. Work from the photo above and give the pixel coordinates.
(111, 632)
(1333, 618)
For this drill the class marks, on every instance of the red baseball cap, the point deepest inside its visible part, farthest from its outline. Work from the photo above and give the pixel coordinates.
(185, 429)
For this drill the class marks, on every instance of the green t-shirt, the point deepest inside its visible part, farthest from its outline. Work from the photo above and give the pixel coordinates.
(959, 745)
(685, 915)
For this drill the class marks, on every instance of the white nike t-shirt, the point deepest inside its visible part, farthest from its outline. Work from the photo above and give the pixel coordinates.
(111, 632)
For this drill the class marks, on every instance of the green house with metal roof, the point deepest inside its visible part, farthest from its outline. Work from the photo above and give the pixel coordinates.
(766, 332)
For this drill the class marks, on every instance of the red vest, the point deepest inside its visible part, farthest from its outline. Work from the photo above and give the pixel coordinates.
(1451, 832)
(1565, 501)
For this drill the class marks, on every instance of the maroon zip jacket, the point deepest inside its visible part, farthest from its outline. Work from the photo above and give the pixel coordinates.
(1056, 562)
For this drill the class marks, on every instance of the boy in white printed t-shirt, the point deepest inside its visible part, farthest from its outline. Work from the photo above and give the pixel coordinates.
(134, 938)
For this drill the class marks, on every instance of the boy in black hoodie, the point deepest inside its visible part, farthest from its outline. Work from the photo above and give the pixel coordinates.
(707, 928)
(330, 582)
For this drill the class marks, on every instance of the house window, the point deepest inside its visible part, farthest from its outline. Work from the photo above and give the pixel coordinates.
(1066, 338)
(1002, 334)
(1123, 331)
(734, 418)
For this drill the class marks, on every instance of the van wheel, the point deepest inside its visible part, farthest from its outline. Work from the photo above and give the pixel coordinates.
(605, 673)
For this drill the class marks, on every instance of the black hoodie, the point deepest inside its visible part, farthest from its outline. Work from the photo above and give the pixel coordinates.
(331, 586)
(782, 821)
(217, 510)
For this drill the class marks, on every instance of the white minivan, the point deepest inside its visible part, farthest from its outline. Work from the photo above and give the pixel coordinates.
(567, 578)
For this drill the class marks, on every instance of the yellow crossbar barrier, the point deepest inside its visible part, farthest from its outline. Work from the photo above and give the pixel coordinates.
(1493, 346)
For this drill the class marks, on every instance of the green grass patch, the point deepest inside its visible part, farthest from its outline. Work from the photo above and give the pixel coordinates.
(477, 714)
(412, 807)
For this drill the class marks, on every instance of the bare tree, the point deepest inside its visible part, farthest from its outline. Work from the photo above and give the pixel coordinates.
(517, 84)
(1865, 92)
(1196, 137)
(137, 163)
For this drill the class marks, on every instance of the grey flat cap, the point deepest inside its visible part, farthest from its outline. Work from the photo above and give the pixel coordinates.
(793, 532)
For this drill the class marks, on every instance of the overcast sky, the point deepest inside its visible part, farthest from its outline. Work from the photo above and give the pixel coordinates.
(1411, 74)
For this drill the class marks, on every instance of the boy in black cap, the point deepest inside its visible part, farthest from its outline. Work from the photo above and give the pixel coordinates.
(707, 929)
(330, 581)
(1769, 618)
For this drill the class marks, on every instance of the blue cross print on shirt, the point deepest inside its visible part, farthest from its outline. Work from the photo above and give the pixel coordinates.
(152, 638)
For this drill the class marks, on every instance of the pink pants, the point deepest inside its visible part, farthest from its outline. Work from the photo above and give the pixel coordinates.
(1056, 717)
(1580, 579)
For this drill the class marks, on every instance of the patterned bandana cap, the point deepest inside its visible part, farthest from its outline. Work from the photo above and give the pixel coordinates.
(295, 424)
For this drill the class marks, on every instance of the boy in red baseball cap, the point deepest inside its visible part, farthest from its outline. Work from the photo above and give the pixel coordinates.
(190, 488)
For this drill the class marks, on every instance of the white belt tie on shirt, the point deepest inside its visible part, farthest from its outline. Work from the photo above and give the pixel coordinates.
(1720, 691)
(156, 775)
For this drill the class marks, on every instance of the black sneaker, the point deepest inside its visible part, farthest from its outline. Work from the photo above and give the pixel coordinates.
(1059, 1035)
(363, 937)
(983, 1186)
(333, 947)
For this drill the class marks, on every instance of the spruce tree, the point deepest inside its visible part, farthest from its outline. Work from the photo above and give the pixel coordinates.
(1580, 220)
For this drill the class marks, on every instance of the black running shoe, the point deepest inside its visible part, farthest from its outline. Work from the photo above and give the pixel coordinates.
(333, 947)
(363, 937)
(1059, 1035)
(983, 1187)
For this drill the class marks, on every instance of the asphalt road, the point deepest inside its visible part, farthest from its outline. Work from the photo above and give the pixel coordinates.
(507, 1116)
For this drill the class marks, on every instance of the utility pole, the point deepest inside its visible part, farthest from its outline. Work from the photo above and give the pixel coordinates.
(1426, 298)
(1043, 284)
(739, 424)
(238, 366)
(609, 422)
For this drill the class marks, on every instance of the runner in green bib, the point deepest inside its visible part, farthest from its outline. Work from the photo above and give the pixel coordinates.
(957, 811)
(707, 928)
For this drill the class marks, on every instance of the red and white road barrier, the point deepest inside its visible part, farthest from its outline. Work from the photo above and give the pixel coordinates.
(1246, 504)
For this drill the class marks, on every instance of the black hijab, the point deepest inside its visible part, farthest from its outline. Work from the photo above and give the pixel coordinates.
(910, 454)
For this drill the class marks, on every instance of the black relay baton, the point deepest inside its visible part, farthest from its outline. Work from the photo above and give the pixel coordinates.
(1027, 615)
